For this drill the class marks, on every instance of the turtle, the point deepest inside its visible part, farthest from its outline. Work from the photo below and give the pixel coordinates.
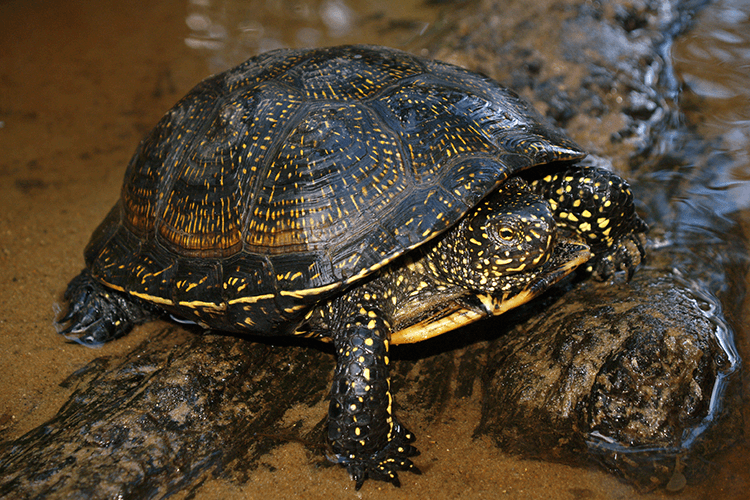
(359, 195)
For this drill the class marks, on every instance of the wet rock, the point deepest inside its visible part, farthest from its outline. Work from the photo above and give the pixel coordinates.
(179, 406)
(626, 373)
(618, 371)
(599, 69)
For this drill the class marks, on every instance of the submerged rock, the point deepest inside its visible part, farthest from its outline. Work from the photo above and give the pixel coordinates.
(630, 374)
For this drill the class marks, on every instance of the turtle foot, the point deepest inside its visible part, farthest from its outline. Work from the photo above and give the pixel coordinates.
(625, 255)
(97, 314)
(384, 464)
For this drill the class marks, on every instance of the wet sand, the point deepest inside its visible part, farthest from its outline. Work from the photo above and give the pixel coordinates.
(80, 83)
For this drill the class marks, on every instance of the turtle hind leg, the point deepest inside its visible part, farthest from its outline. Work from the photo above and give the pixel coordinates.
(364, 435)
(97, 314)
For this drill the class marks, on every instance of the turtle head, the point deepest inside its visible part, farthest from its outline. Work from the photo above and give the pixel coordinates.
(509, 233)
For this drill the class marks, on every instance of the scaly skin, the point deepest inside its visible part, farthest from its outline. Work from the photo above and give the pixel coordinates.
(597, 205)
(497, 250)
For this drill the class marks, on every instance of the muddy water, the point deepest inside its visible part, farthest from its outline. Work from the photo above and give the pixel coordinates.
(82, 81)
(713, 62)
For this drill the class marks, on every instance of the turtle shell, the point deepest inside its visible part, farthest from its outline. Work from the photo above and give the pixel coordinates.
(271, 186)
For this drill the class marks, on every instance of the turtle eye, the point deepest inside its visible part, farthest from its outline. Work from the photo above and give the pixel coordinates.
(506, 233)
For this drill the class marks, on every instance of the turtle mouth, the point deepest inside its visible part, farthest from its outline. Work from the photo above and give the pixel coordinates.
(567, 256)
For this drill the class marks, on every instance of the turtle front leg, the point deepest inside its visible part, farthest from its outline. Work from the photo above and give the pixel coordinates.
(363, 432)
(97, 314)
(597, 205)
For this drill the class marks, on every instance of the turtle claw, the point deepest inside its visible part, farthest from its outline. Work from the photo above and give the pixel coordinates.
(387, 472)
(626, 256)
(385, 464)
(97, 314)
(359, 478)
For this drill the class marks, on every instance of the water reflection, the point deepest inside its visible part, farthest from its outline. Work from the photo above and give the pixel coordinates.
(713, 62)
(230, 31)
(232, 27)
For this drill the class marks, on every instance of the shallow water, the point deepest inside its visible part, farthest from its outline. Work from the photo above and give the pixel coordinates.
(713, 62)
(82, 81)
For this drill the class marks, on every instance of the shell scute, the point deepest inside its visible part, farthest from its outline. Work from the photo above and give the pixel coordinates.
(272, 185)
